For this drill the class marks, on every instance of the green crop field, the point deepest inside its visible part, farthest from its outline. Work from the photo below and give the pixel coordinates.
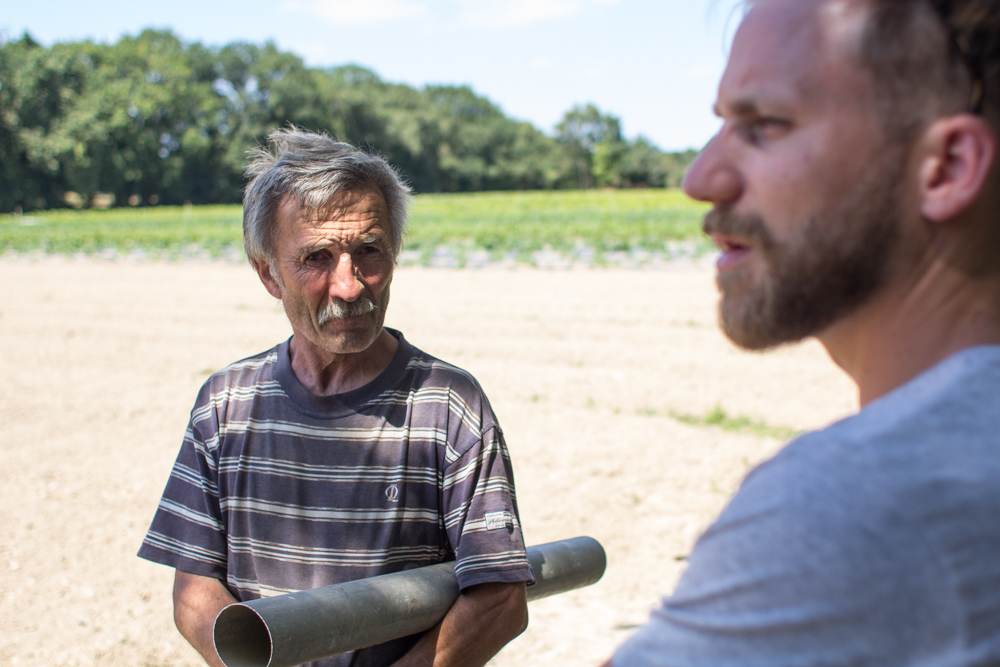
(503, 224)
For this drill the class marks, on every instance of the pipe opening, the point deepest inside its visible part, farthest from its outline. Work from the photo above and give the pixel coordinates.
(242, 638)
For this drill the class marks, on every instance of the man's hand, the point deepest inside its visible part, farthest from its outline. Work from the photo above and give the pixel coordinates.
(480, 623)
(197, 601)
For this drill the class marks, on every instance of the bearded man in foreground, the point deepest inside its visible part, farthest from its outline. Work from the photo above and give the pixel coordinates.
(344, 452)
(856, 198)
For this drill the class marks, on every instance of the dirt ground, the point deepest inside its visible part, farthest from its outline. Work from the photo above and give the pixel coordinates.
(101, 361)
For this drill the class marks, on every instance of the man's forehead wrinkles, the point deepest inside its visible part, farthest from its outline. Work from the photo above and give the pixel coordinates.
(364, 202)
(352, 216)
(335, 234)
(361, 205)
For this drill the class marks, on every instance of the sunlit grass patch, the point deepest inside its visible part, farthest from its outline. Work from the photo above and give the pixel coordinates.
(591, 224)
(523, 222)
(745, 424)
(161, 230)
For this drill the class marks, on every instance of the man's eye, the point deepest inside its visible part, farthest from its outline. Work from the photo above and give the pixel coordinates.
(315, 256)
(369, 250)
(759, 130)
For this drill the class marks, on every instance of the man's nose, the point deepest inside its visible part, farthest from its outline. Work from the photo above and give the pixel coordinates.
(711, 178)
(344, 283)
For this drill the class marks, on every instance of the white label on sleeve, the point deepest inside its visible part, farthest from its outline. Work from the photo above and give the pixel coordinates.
(498, 520)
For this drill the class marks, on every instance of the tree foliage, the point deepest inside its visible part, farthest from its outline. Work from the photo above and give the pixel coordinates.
(152, 119)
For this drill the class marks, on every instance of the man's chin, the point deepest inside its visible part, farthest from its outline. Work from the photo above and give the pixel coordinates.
(746, 309)
(351, 341)
(747, 321)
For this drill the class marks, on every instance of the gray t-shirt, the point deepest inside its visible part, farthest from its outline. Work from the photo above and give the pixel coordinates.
(873, 542)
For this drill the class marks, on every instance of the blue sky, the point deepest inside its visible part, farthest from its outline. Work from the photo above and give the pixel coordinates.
(653, 63)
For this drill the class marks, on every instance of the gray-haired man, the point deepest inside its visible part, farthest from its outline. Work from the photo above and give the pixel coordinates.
(344, 452)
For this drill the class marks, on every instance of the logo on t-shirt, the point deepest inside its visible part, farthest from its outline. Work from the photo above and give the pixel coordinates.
(392, 493)
(498, 520)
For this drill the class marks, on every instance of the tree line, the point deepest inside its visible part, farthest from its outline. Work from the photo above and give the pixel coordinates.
(153, 119)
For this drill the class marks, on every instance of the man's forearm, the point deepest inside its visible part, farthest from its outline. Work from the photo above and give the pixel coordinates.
(197, 601)
(480, 623)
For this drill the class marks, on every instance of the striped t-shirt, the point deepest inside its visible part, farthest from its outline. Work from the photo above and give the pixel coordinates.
(278, 490)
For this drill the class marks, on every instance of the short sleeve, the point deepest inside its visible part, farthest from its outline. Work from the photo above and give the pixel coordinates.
(811, 563)
(481, 517)
(188, 530)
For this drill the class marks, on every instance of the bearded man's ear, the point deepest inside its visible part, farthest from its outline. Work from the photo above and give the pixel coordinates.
(957, 159)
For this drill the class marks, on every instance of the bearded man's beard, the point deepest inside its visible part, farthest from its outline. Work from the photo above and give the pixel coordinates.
(827, 270)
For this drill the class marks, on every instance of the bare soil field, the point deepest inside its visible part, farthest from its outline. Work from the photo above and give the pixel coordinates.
(101, 362)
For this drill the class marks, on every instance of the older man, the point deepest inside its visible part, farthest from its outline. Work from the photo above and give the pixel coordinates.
(856, 198)
(343, 452)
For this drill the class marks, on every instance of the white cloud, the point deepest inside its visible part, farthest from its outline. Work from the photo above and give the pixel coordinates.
(355, 12)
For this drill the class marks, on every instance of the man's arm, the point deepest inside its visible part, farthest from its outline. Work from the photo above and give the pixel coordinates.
(197, 601)
(483, 619)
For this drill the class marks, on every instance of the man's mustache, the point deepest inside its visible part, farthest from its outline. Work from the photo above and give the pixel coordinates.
(750, 227)
(338, 309)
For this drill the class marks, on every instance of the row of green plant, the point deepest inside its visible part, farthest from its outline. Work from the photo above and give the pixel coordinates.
(498, 222)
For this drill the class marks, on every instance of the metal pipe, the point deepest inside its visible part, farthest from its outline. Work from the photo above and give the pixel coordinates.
(290, 629)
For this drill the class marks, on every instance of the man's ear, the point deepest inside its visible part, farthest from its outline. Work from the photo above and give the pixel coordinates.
(958, 156)
(271, 284)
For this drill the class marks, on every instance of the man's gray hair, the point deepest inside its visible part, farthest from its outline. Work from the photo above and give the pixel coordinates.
(316, 171)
